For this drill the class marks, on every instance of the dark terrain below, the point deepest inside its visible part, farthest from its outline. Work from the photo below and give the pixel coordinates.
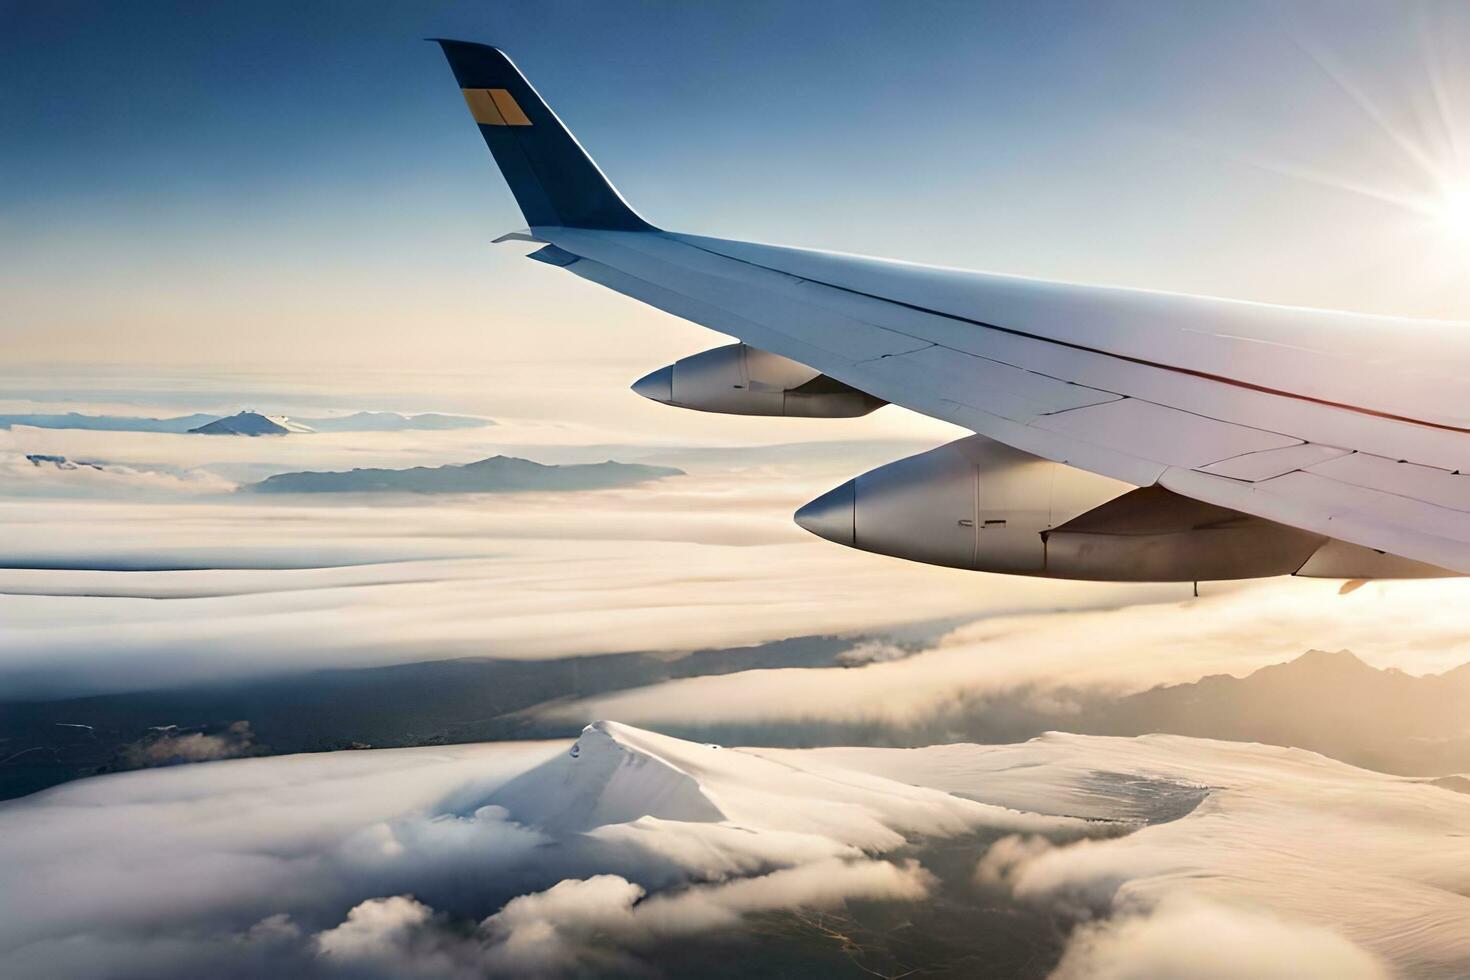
(1332, 703)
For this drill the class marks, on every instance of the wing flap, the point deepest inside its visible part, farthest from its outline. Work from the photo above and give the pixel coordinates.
(1439, 487)
(996, 388)
(1263, 465)
(1171, 436)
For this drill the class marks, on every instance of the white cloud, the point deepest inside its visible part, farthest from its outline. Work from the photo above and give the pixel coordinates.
(1006, 856)
(547, 931)
(1190, 940)
(871, 652)
(437, 861)
(1411, 625)
(569, 924)
(1383, 861)
(582, 925)
(168, 746)
(51, 475)
(707, 561)
(388, 858)
(374, 928)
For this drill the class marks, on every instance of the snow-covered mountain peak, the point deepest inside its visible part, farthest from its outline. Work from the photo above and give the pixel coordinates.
(251, 424)
(617, 774)
(612, 774)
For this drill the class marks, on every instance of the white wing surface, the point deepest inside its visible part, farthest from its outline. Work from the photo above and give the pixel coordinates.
(1308, 418)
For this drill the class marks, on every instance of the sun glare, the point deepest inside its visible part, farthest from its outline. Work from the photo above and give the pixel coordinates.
(1453, 212)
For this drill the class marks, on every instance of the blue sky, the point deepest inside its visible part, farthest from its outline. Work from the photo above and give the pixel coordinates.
(303, 178)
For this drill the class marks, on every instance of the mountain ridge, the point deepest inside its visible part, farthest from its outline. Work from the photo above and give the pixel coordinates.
(493, 474)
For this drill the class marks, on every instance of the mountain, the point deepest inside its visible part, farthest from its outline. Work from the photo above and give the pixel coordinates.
(498, 474)
(60, 462)
(108, 423)
(394, 422)
(250, 424)
(1332, 703)
(612, 774)
(618, 774)
(201, 422)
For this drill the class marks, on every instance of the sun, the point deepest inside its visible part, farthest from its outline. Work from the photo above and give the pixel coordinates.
(1453, 211)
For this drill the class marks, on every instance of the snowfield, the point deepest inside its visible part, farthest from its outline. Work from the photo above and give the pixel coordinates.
(1166, 856)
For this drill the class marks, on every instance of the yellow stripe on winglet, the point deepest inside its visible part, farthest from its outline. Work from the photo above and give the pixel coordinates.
(506, 103)
(482, 107)
(494, 107)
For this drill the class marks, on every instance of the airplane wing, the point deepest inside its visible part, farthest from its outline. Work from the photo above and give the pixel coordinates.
(1353, 427)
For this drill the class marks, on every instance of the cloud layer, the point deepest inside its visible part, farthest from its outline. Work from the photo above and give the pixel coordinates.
(256, 586)
(1410, 625)
(451, 862)
(1311, 857)
(460, 862)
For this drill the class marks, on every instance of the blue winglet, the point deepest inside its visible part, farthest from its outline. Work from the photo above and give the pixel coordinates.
(553, 179)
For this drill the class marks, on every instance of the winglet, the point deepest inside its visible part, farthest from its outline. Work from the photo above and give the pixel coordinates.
(553, 179)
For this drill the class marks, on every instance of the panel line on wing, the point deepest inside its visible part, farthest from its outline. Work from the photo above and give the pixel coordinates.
(1192, 372)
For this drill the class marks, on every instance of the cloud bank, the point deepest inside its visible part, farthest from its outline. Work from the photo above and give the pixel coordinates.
(1187, 940)
(1411, 625)
(1282, 854)
(459, 862)
(451, 862)
(260, 586)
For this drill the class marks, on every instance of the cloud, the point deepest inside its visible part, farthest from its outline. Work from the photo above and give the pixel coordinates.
(871, 652)
(373, 927)
(714, 563)
(264, 585)
(167, 747)
(441, 862)
(50, 475)
(395, 936)
(1411, 625)
(588, 924)
(548, 930)
(1191, 940)
(1334, 860)
(570, 924)
(393, 863)
(1006, 856)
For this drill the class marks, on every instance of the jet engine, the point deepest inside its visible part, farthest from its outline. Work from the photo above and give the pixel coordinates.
(742, 380)
(982, 505)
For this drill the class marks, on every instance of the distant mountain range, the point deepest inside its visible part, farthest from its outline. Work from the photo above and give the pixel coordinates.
(1331, 703)
(356, 422)
(498, 474)
(107, 423)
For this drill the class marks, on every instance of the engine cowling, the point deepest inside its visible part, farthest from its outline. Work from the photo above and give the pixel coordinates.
(982, 505)
(742, 380)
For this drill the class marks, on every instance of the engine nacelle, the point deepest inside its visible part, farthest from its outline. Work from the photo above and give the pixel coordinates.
(742, 380)
(982, 505)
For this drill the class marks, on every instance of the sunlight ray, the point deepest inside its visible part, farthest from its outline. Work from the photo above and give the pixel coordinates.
(1411, 149)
